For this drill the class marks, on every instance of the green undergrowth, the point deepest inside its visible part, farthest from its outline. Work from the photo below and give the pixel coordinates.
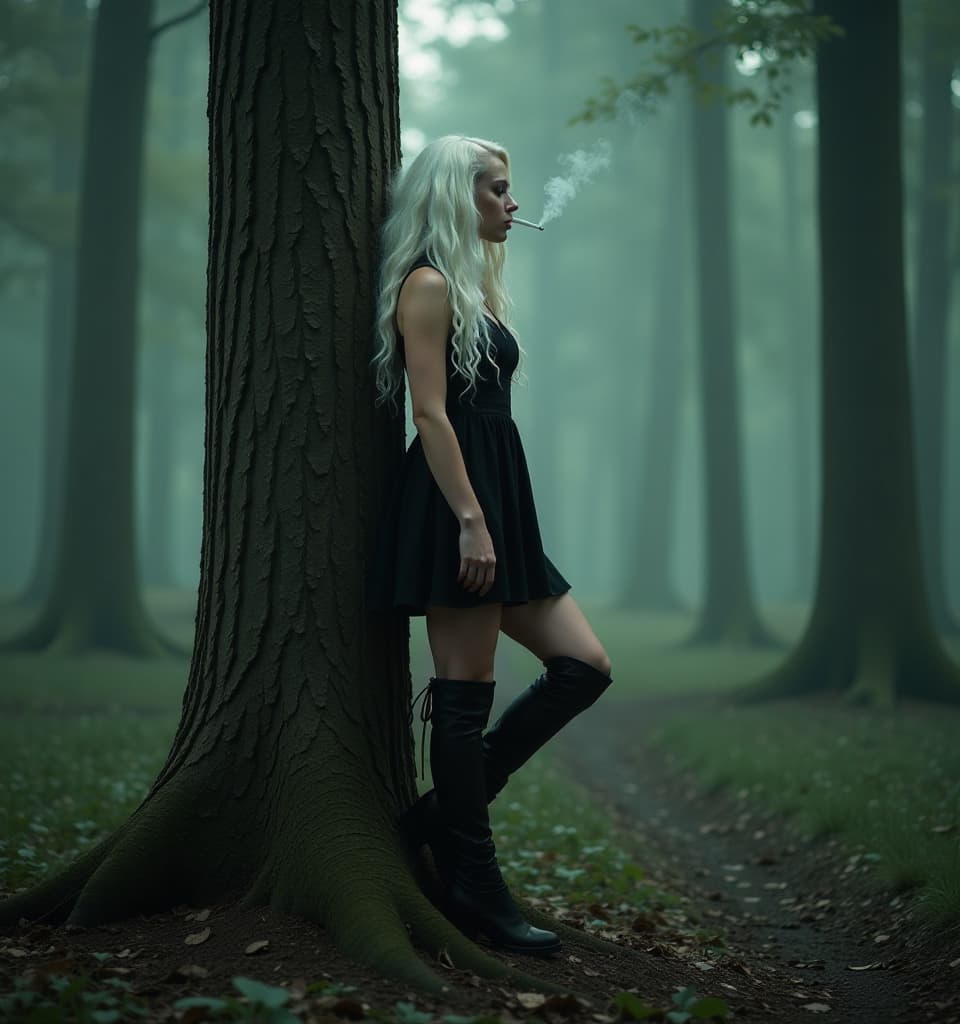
(559, 849)
(67, 781)
(96, 997)
(886, 784)
(97, 682)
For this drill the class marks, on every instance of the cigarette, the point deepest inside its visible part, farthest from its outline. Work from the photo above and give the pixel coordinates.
(527, 223)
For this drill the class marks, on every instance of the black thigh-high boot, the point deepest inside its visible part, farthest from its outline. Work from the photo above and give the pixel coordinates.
(477, 896)
(567, 687)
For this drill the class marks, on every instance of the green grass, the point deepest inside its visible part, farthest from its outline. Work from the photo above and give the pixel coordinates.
(67, 781)
(887, 784)
(558, 844)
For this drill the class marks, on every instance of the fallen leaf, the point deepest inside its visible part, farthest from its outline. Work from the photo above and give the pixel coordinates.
(531, 1000)
(643, 923)
(880, 939)
(197, 937)
(198, 915)
(878, 966)
(801, 965)
(191, 971)
(256, 946)
(445, 960)
(942, 829)
(15, 951)
(817, 1007)
(703, 965)
(955, 963)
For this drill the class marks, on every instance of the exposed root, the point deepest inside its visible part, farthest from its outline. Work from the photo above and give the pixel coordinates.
(57, 630)
(52, 900)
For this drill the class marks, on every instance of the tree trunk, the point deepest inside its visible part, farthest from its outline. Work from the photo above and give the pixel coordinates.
(728, 614)
(94, 600)
(59, 301)
(871, 632)
(157, 544)
(932, 299)
(294, 754)
(798, 327)
(648, 584)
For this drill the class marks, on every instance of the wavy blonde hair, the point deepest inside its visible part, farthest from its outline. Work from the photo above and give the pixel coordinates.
(433, 212)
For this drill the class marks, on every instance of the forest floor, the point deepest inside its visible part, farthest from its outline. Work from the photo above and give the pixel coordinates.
(777, 926)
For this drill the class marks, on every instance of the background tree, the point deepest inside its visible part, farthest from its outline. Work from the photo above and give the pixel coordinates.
(728, 612)
(870, 632)
(44, 213)
(651, 514)
(932, 274)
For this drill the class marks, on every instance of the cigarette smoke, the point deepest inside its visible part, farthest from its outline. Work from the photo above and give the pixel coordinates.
(580, 169)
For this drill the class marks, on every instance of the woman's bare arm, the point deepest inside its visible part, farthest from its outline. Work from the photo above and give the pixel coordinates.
(424, 317)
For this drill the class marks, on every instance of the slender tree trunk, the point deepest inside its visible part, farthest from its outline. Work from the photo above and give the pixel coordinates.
(798, 385)
(294, 755)
(59, 303)
(159, 399)
(648, 584)
(932, 301)
(870, 633)
(94, 600)
(547, 359)
(728, 614)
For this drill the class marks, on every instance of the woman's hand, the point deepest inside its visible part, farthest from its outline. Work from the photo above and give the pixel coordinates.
(477, 560)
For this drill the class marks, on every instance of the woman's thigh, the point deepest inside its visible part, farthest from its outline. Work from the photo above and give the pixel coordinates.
(463, 641)
(553, 627)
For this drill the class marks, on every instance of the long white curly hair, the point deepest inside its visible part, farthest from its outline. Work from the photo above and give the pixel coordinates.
(433, 212)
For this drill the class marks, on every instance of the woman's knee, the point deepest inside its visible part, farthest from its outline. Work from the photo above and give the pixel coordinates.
(598, 659)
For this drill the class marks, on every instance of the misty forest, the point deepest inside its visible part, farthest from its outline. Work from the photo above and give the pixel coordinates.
(739, 399)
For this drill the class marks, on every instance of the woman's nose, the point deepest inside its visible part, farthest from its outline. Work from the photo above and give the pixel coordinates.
(512, 204)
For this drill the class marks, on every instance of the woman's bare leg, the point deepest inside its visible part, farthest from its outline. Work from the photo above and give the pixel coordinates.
(553, 627)
(463, 641)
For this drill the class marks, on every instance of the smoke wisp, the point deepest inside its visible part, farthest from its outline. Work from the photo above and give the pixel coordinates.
(579, 168)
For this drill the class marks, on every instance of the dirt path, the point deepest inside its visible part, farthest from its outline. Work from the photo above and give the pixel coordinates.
(794, 910)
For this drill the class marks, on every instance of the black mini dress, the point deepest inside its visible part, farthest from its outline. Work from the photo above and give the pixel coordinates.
(417, 554)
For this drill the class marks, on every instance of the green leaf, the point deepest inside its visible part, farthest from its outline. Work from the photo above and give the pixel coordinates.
(704, 1009)
(633, 1007)
(105, 1016)
(684, 997)
(205, 1001)
(267, 995)
(407, 1013)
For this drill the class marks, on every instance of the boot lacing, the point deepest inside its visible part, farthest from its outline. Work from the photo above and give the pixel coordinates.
(426, 712)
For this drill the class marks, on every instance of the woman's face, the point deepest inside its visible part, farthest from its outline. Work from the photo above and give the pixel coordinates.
(494, 202)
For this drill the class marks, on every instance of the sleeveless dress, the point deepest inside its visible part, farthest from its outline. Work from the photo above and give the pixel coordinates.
(417, 554)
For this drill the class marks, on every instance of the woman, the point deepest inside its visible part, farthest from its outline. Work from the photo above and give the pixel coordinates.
(460, 542)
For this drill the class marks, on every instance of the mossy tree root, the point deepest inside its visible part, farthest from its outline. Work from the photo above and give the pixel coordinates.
(150, 865)
(57, 630)
(870, 669)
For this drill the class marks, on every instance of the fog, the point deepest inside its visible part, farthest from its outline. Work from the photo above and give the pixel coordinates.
(605, 305)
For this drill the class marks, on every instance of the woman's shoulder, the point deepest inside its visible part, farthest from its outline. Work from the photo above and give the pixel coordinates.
(424, 300)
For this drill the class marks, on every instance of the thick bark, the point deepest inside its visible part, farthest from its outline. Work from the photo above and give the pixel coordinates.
(94, 600)
(728, 613)
(294, 754)
(648, 584)
(59, 306)
(931, 304)
(870, 633)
